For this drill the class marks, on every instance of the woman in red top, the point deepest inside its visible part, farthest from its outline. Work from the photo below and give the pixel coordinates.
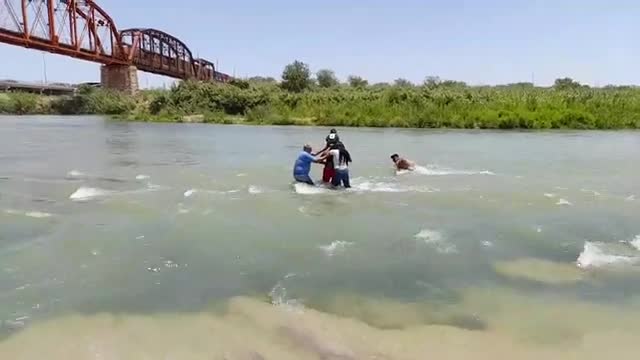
(329, 169)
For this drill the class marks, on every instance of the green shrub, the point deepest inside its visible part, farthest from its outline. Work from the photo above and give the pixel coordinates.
(24, 103)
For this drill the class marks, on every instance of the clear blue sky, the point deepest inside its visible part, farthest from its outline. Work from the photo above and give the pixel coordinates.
(477, 41)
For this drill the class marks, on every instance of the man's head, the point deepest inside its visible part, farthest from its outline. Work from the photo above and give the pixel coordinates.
(395, 157)
(333, 131)
(307, 148)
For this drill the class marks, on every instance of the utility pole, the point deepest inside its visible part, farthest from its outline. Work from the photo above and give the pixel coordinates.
(44, 68)
(533, 79)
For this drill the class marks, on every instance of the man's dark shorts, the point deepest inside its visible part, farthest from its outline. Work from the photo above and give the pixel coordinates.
(304, 179)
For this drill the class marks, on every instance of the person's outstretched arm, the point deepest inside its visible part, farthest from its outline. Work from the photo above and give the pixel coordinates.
(321, 158)
(326, 147)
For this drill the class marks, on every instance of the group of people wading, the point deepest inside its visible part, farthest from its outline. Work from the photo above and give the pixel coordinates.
(334, 156)
(336, 160)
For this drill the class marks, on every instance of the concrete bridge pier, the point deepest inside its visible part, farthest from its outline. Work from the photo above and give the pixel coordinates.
(119, 77)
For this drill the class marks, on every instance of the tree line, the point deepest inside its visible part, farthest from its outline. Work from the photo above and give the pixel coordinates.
(303, 98)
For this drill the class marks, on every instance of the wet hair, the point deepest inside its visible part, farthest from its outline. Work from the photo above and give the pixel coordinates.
(344, 154)
(333, 131)
(395, 156)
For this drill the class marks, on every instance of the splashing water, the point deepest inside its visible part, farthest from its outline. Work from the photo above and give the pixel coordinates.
(88, 193)
(596, 255)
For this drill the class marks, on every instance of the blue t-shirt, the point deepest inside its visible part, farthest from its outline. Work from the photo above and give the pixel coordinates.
(303, 164)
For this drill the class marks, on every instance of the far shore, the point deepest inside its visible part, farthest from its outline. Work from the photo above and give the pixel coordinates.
(433, 105)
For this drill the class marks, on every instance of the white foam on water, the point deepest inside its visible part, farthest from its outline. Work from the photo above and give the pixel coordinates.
(487, 243)
(596, 255)
(335, 247)
(595, 193)
(75, 174)
(241, 175)
(363, 186)
(38, 214)
(31, 214)
(377, 187)
(381, 186)
(630, 198)
(436, 171)
(192, 192)
(306, 189)
(254, 189)
(88, 193)
(142, 177)
(549, 195)
(564, 202)
(154, 187)
(635, 242)
(435, 238)
(279, 297)
(429, 236)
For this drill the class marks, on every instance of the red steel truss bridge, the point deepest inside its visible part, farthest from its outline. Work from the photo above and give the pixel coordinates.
(83, 30)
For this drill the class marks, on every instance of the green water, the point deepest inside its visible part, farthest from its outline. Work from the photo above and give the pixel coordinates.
(149, 221)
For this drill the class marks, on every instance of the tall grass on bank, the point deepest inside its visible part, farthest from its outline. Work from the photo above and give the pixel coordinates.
(443, 105)
(85, 101)
(450, 106)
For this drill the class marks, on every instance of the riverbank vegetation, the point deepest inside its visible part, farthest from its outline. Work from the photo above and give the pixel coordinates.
(301, 98)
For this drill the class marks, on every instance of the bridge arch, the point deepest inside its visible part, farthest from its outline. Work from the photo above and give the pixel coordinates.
(157, 52)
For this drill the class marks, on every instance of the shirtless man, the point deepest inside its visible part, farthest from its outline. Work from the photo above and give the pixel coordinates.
(402, 164)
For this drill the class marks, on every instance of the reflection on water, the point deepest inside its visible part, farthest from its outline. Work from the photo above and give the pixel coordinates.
(128, 241)
(121, 143)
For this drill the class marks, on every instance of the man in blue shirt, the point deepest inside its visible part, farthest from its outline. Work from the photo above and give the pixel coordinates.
(302, 166)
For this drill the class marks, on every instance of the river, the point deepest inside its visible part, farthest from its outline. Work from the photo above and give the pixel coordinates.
(186, 241)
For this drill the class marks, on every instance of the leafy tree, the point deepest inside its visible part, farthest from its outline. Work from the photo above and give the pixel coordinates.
(432, 82)
(296, 77)
(326, 78)
(262, 80)
(453, 83)
(380, 85)
(566, 84)
(402, 83)
(519, 85)
(357, 82)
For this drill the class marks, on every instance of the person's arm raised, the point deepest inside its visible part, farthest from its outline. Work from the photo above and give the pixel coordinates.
(326, 147)
(321, 158)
